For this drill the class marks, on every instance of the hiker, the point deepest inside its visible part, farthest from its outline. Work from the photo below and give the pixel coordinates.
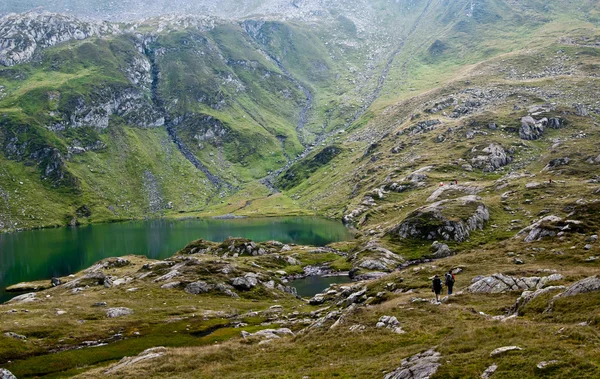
(450, 281)
(436, 287)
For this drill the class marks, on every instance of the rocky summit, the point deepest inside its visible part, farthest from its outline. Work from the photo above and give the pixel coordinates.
(453, 138)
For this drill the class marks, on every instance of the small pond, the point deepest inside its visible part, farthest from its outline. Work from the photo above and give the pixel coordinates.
(312, 285)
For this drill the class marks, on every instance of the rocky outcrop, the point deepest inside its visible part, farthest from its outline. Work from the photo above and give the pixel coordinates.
(494, 157)
(148, 354)
(376, 258)
(587, 285)
(440, 250)
(391, 323)
(419, 366)
(246, 282)
(268, 334)
(445, 220)
(527, 296)
(5, 374)
(129, 103)
(200, 287)
(532, 129)
(487, 374)
(548, 226)
(453, 188)
(24, 35)
(118, 312)
(499, 283)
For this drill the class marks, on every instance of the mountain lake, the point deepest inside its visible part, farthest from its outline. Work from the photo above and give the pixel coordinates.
(42, 254)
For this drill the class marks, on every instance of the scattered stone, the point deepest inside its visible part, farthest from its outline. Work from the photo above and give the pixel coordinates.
(505, 349)
(391, 323)
(169, 285)
(588, 247)
(15, 336)
(545, 364)
(118, 312)
(268, 334)
(100, 304)
(25, 298)
(518, 261)
(419, 366)
(153, 353)
(60, 312)
(55, 282)
(489, 371)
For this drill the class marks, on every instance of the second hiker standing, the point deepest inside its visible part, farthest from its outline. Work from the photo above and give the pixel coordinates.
(436, 285)
(449, 281)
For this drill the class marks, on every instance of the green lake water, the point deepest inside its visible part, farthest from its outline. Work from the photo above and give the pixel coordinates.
(312, 285)
(42, 254)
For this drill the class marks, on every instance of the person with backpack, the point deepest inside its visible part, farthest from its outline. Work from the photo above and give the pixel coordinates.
(436, 285)
(450, 281)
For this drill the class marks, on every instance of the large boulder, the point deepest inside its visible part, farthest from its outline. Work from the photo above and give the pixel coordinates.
(148, 354)
(494, 157)
(246, 282)
(532, 129)
(5, 374)
(548, 226)
(499, 283)
(198, 287)
(419, 366)
(448, 220)
(591, 284)
(118, 312)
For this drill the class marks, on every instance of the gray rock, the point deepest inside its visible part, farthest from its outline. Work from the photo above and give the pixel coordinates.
(531, 129)
(419, 366)
(505, 349)
(55, 282)
(269, 334)
(429, 222)
(371, 275)
(528, 296)
(25, 298)
(198, 287)
(440, 250)
(171, 285)
(500, 283)
(587, 285)
(391, 323)
(15, 336)
(489, 371)
(539, 229)
(545, 364)
(153, 353)
(5, 374)
(118, 312)
(100, 304)
(495, 157)
(246, 282)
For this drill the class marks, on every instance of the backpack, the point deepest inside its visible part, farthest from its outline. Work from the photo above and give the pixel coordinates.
(450, 278)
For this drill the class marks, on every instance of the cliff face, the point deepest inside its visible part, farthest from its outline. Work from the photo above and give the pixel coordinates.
(22, 35)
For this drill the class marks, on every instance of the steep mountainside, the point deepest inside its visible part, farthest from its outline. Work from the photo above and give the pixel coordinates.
(99, 118)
